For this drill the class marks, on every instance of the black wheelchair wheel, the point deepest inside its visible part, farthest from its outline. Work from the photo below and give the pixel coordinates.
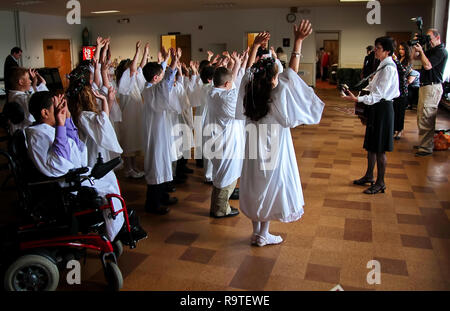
(113, 276)
(32, 273)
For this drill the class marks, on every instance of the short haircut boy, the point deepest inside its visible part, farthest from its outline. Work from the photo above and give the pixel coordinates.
(151, 70)
(39, 101)
(221, 76)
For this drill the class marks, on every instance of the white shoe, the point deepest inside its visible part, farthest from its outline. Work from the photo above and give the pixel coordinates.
(269, 239)
(134, 174)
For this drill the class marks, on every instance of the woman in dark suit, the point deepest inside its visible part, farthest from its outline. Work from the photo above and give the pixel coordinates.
(380, 124)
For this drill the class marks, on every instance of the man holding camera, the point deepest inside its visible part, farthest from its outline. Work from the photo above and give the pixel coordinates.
(430, 92)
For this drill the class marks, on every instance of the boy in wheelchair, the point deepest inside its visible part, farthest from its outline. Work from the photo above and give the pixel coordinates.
(56, 150)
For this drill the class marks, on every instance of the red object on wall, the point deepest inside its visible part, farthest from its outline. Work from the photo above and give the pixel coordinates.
(88, 52)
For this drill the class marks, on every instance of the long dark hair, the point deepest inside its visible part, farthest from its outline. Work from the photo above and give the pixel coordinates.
(258, 90)
(123, 65)
(408, 59)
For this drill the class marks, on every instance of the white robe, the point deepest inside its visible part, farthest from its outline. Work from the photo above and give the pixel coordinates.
(131, 105)
(271, 189)
(23, 98)
(40, 139)
(228, 138)
(158, 138)
(181, 123)
(98, 134)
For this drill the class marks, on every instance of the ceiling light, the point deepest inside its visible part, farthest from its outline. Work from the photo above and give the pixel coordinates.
(28, 2)
(105, 12)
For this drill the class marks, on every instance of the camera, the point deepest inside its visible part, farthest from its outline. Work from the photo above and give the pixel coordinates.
(344, 89)
(421, 38)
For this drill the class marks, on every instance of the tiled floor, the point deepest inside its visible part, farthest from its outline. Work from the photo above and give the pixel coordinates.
(407, 229)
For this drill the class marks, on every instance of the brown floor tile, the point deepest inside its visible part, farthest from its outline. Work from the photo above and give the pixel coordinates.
(196, 254)
(253, 273)
(392, 266)
(416, 241)
(438, 179)
(358, 230)
(422, 189)
(311, 154)
(323, 165)
(347, 204)
(412, 163)
(359, 155)
(410, 219)
(322, 273)
(320, 175)
(445, 204)
(182, 238)
(195, 197)
(396, 176)
(402, 194)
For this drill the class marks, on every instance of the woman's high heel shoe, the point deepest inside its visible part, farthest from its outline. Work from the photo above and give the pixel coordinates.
(363, 181)
(375, 189)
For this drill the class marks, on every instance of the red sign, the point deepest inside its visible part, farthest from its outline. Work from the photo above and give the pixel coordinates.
(88, 52)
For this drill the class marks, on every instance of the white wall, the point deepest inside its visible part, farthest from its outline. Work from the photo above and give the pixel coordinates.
(230, 26)
(35, 28)
(7, 35)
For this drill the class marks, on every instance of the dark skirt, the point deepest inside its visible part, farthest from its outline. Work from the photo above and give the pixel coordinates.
(380, 127)
(400, 104)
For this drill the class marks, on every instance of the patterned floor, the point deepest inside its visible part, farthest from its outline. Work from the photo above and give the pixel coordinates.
(407, 229)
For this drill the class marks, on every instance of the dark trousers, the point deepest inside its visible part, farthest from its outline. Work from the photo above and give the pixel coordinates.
(400, 104)
(413, 96)
(325, 74)
(156, 195)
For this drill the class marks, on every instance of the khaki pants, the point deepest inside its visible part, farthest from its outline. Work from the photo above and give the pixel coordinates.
(429, 98)
(219, 200)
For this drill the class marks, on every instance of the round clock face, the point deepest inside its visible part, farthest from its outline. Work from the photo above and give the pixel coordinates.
(291, 17)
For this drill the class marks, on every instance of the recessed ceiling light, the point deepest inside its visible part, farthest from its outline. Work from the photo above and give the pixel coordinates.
(31, 2)
(105, 12)
(219, 5)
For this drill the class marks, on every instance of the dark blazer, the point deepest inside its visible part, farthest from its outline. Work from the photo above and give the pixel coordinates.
(10, 63)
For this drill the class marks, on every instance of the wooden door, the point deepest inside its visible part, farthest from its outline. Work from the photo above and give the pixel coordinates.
(57, 55)
(184, 42)
(332, 46)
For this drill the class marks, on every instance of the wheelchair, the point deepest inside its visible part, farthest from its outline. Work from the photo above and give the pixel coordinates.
(55, 229)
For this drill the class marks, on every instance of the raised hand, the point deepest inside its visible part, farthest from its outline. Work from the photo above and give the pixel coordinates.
(165, 54)
(138, 45)
(274, 54)
(261, 39)
(179, 53)
(60, 109)
(210, 55)
(226, 54)
(216, 58)
(303, 30)
(100, 42)
(111, 94)
(100, 96)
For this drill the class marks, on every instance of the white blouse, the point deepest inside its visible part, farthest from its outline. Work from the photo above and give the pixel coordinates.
(384, 84)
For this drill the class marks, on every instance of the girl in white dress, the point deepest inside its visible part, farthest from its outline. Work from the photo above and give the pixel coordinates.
(273, 103)
(131, 83)
(96, 130)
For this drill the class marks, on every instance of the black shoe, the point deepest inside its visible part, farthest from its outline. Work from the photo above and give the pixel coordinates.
(199, 163)
(235, 194)
(180, 179)
(375, 189)
(160, 211)
(171, 187)
(416, 147)
(170, 201)
(363, 181)
(138, 233)
(233, 212)
(208, 182)
(423, 154)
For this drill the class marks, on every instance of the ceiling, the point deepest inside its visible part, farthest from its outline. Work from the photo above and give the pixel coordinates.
(134, 7)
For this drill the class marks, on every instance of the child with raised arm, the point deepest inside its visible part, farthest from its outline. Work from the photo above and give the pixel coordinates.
(272, 103)
(96, 129)
(24, 82)
(131, 83)
(158, 137)
(227, 137)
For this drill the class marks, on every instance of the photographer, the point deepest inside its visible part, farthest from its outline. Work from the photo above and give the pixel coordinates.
(430, 92)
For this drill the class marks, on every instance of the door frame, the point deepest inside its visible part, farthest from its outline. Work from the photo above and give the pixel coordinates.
(71, 47)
